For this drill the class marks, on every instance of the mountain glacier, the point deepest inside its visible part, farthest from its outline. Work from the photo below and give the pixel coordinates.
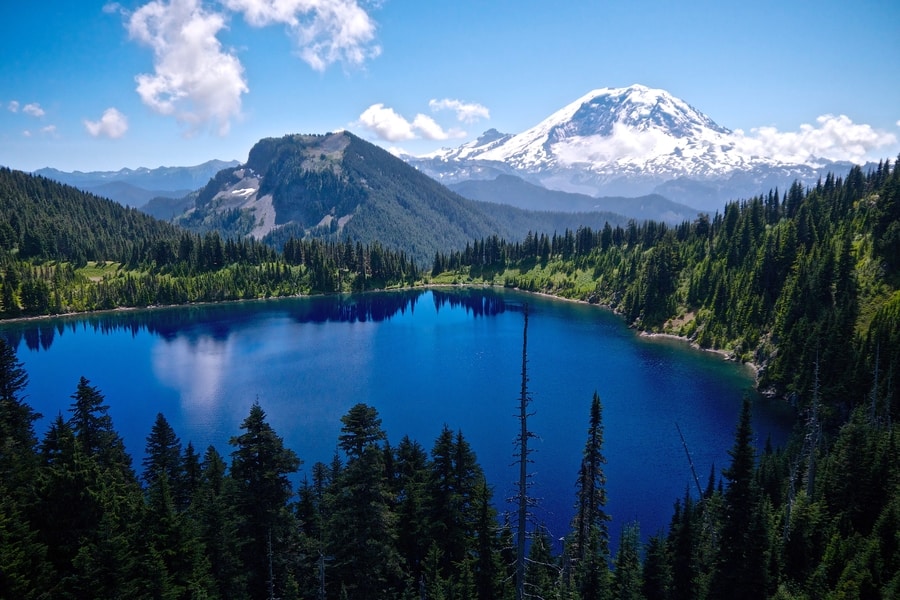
(626, 141)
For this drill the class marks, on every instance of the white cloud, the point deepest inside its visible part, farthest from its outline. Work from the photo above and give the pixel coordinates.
(49, 130)
(623, 143)
(112, 124)
(385, 123)
(397, 151)
(26, 133)
(834, 138)
(13, 106)
(429, 129)
(202, 84)
(112, 8)
(193, 79)
(34, 109)
(467, 112)
(326, 31)
(898, 123)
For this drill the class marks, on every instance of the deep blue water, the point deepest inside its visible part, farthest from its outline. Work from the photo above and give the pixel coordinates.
(423, 359)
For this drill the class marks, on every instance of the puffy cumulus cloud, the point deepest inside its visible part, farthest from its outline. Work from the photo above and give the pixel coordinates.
(833, 138)
(13, 106)
(387, 125)
(112, 124)
(429, 128)
(33, 109)
(200, 83)
(326, 31)
(467, 112)
(193, 79)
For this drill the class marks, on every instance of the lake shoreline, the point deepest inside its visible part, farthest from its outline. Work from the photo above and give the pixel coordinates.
(426, 286)
(728, 356)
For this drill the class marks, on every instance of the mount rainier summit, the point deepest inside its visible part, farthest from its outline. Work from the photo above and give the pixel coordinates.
(628, 142)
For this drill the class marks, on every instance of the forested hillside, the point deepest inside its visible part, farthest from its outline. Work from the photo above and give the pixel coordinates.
(799, 283)
(63, 250)
(42, 219)
(337, 186)
(802, 282)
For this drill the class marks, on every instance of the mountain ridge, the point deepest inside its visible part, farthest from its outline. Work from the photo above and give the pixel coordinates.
(339, 186)
(136, 187)
(628, 141)
(515, 191)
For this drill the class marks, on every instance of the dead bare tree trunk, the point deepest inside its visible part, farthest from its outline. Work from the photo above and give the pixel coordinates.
(522, 443)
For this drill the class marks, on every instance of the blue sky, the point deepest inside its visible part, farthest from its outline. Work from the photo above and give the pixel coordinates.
(101, 86)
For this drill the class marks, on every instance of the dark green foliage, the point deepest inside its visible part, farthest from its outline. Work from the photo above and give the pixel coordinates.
(361, 430)
(627, 581)
(740, 571)
(338, 186)
(215, 511)
(542, 573)
(657, 573)
(89, 504)
(393, 522)
(148, 262)
(454, 484)
(362, 533)
(163, 454)
(786, 282)
(23, 563)
(589, 546)
(43, 219)
(17, 438)
(260, 468)
(804, 283)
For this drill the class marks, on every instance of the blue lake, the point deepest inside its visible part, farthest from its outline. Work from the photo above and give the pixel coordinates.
(423, 359)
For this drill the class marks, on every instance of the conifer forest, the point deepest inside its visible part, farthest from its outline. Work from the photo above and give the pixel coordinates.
(804, 283)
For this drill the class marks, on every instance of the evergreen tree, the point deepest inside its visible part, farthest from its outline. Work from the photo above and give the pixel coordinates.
(360, 431)
(191, 475)
(682, 546)
(215, 510)
(17, 439)
(452, 490)
(162, 454)
(542, 574)
(590, 535)
(94, 431)
(361, 532)
(489, 570)
(741, 571)
(24, 569)
(24, 572)
(176, 563)
(627, 577)
(260, 467)
(90, 502)
(413, 521)
(657, 570)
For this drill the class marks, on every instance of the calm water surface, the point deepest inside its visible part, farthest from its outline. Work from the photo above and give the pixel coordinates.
(423, 359)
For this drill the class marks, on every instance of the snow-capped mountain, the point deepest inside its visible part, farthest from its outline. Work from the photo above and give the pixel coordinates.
(624, 141)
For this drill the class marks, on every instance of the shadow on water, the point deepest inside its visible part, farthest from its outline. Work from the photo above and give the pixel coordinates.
(219, 321)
